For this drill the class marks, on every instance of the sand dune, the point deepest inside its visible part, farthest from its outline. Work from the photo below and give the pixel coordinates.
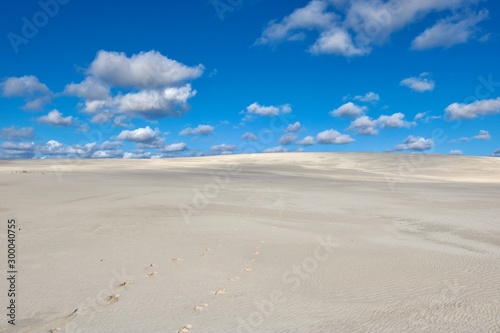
(294, 242)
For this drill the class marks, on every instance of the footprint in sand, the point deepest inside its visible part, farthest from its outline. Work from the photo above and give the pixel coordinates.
(185, 329)
(200, 308)
(248, 269)
(251, 260)
(220, 292)
(54, 330)
(152, 274)
(151, 266)
(75, 313)
(205, 253)
(256, 253)
(112, 298)
(124, 284)
(236, 278)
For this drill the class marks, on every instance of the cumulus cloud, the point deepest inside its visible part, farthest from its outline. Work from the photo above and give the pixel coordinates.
(496, 153)
(144, 70)
(338, 41)
(155, 86)
(348, 110)
(89, 89)
(456, 152)
(394, 121)
(368, 97)
(174, 147)
(223, 148)
(450, 31)
(277, 149)
(287, 139)
(333, 137)
(28, 87)
(249, 136)
(140, 154)
(469, 111)
(353, 28)
(295, 127)
(145, 137)
(483, 135)
(53, 148)
(200, 130)
(17, 134)
(11, 150)
(415, 143)
(307, 141)
(421, 83)
(314, 16)
(268, 111)
(364, 125)
(55, 118)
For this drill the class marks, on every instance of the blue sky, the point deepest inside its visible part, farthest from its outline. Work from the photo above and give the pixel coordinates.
(152, 79)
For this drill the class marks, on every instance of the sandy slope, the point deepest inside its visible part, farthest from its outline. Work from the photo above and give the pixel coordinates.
(256, 243)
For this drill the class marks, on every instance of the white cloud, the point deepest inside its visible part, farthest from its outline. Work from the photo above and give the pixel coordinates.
(17, 134)
(394, 121)
(295, 127)
(55, 118)
(34, 93)
(139, 154)
(313, 16)
(144, 70)
(496, 153)
(450, 31)
(368, 97)
(174, 147)
(268, 111)
(483, 135)
(420, 115)
(469, 111)
(349, 110)
(223, 148)
(156, 104)
(54, 148)
(287, 139)
(155, 86)
(367, 126)
(200, 130)
(146, 136)
(364, 125)
(421, 83)
(353, 28)
(338, 41)
(89, 89)
(307, 141)
(17, 150)
(249, 136)
(456, 152)
(277, 149)
(333, 137)
(415, 144)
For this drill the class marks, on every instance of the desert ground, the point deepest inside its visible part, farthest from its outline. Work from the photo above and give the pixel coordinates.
(296, 242)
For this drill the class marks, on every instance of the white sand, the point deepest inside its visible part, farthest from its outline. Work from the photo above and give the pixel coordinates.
(271, 243)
